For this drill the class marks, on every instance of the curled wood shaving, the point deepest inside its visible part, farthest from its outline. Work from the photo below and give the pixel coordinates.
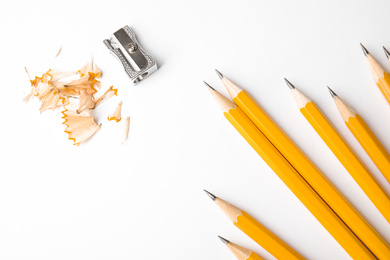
(50, 100)
(59, 51)
(111, 91)
(57, 75)
(116, 116)
(86, 102)
(55, 80)
(126, 129)
(91, 69)
(79, 126)
(77, 96)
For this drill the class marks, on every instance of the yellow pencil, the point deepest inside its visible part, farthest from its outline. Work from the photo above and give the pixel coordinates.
(343, 153)
(309, 198)
(381, 77)
(364, 135)
(307, 169)
(240, 252)
(260, 234)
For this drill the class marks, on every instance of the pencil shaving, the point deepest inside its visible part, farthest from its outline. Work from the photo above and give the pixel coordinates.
(111, 91)
(116, 116)
(59, 51)
(77, 96)
(86, 102)
(126, 129)
(91, 69)
(79, 126)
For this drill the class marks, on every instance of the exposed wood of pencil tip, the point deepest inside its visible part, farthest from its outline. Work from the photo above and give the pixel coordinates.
(240, 252)
(230, 211)
(222, 101)
(377, 70)
(300, 99)
(232, 88)
(345, 110)
(365, 51)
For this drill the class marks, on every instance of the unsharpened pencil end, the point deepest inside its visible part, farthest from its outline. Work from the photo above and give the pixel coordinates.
(208, 85)
(365, 51)
(212, 196)
(225, 241)
(220, 75)
(386, 52)
(291, 86)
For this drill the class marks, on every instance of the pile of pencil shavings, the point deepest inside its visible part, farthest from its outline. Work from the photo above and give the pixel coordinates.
(76, 98)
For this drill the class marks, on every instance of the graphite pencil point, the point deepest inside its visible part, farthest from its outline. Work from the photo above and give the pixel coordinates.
(365, 51)
(225, 241)
(212, 196)
(332, 93)
(386, 52)
(220, 75)
(208, 85)
(291, 86)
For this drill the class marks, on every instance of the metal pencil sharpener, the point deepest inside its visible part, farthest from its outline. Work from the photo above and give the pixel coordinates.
(137, 63)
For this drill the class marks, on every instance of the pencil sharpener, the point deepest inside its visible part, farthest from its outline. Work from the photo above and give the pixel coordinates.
(137, 63)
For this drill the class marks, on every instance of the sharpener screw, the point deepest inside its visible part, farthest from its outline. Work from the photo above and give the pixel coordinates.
(132, 47)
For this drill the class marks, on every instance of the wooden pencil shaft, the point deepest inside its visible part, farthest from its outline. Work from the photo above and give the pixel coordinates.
(310, 173)
(254, 256)
(371, 144)
(297, 185)
(365, 137)
(265, 238)
(384, 86)
(349, 160)
(257, 232)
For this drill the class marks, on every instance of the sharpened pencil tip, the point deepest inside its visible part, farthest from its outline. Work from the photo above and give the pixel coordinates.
(208, 85)
(220, 75)
(212, 196)
(365, 51)
(291, 86)
(225, 241)
(386, 52)
(332, 93)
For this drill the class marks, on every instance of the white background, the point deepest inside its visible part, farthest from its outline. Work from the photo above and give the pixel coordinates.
(145, 199)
